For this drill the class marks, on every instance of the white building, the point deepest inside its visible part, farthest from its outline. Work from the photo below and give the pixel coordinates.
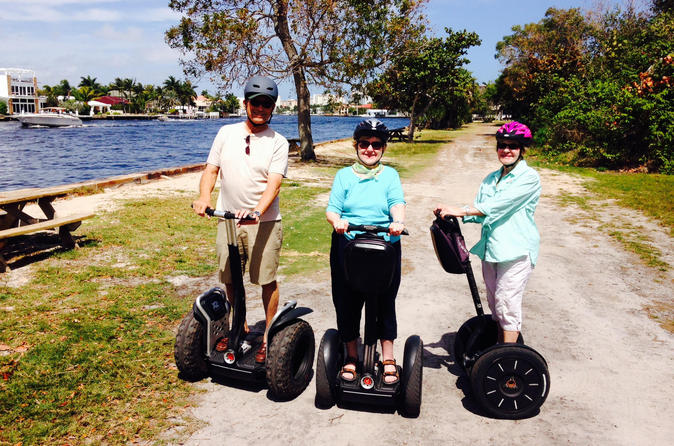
(18, 87)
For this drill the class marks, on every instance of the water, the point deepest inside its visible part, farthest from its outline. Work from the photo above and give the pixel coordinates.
(41, 157)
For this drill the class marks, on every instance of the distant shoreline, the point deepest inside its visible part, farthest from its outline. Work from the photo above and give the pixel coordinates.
(146, 117)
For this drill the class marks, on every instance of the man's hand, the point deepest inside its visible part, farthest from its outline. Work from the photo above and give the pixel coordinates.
(243, 213)
(200, 206)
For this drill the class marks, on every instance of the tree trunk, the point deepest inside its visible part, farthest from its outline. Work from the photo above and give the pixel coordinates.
(303, 96)
(410, 133)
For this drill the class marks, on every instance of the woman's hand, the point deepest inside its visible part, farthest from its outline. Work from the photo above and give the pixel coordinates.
(442, 211)
(396, 228)
(340, 226)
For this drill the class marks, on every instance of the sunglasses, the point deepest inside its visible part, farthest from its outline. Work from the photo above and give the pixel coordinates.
(248, 145)
(255, 102)
(376, 145)
(502, 146)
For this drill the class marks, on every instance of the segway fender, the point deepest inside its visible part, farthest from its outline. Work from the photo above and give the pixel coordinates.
(412, 346)
(331, 355)
(288, 313)
(211, 310)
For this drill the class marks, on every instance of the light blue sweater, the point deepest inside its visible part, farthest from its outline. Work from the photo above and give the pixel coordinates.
(366, 201)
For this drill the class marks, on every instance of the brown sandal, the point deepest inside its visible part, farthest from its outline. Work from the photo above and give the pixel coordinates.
(349, 361)
(261, 354)
(395, 374)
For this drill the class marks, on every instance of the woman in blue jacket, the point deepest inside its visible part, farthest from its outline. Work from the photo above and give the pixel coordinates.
(505, 206)
(366, 193)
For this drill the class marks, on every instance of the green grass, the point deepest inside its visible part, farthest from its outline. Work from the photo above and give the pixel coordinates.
(306, 233)
(91, 336)
(648, 193)
(410, 158)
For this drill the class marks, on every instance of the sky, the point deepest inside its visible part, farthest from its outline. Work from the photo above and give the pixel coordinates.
(105, 39)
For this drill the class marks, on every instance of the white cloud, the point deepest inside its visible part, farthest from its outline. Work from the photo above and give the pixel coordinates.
(72, 11)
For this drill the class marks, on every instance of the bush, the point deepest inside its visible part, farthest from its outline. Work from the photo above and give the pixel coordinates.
(3, 108)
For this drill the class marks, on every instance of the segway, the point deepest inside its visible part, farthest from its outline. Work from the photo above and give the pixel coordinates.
(369, 267)
(508, 381)
(290, 340)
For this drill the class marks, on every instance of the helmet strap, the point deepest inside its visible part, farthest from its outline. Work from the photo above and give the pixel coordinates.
(258, 125)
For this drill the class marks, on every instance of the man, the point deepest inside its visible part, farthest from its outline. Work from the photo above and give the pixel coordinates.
(251, 160)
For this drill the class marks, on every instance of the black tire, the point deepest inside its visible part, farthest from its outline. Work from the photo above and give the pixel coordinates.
(510, 381)
(189, 349)
(290, 357)
(411, 397)
(325, 391)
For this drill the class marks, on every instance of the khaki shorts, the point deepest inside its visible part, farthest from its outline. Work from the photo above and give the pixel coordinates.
(259, 248)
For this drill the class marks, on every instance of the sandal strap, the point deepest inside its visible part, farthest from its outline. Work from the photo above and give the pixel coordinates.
(391, 373)
(389, 362)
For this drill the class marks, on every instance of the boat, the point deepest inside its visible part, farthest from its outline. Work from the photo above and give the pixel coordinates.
(49, 117)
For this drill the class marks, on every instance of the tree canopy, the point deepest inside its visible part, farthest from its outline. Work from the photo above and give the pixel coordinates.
(596, 90)
(429, 77)
(332, 43)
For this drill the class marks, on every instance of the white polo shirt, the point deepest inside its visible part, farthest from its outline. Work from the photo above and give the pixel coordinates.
(243, 178)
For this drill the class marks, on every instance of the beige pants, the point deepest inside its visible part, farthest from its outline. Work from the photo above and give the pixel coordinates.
(505, 284)
(259, 248)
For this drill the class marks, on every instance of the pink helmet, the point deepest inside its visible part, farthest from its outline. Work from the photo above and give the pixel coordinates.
(515, 131)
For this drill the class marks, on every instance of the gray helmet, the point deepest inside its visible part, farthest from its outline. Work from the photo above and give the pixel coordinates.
(371, 127)
(260, 86)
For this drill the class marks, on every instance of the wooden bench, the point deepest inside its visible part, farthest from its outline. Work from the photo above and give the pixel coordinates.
(14, 221)
(65, 226)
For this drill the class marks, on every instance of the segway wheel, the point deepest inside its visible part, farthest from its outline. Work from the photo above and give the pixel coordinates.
(189, 349)
(412, 376)
(326, 372)
(290, 356)
(510, 381)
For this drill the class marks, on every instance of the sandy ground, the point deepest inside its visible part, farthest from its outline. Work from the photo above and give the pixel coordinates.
(611, 367)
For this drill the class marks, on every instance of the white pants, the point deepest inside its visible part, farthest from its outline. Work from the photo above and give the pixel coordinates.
(505, 282)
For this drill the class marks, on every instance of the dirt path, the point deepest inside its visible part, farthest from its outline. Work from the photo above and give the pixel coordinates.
(611, 367)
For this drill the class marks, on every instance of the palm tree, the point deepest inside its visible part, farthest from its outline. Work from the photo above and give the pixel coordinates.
(89, 82)
(85, 94)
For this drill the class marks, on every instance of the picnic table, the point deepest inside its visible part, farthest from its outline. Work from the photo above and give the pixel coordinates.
(293, 144)
(15, 221)
(397, 134)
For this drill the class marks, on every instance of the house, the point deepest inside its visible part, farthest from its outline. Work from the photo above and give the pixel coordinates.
(18, 88)
(104, 103)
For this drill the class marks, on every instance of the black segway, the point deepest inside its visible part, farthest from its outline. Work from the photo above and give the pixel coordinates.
(369, 266)
(509, 381)
(290, 340)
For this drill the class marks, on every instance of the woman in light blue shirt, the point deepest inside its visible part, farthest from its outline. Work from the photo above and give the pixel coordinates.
(366, 193)
(505, 206)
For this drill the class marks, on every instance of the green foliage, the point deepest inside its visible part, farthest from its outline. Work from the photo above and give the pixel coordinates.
(3, 108)
(597, 91)
(325, 42)
(428, 81)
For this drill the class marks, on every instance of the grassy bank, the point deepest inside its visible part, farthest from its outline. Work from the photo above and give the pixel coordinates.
(87, 344)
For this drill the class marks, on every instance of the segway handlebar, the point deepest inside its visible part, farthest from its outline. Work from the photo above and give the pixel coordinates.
(225, 214)
(372, 229)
